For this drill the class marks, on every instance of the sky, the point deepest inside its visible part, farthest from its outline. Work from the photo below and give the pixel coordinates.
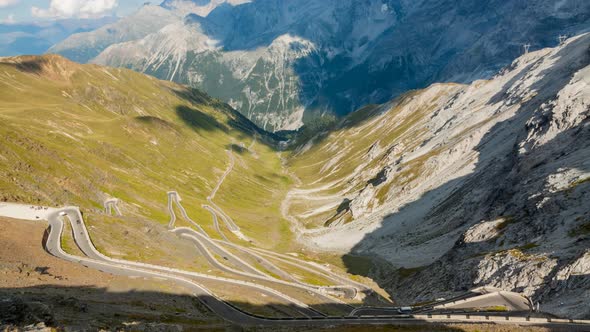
(22, 11)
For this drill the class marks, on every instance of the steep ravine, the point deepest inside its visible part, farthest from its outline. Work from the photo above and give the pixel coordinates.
(460, 186)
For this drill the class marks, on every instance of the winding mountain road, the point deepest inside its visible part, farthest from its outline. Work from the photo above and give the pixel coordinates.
(133, 269)
(229, 222)
(319, 292)
(215, 222)
(313, 267)
(112, 204)
(348, 291)
(205, 245)
(231, 313)
(174, 197)
(83, 241)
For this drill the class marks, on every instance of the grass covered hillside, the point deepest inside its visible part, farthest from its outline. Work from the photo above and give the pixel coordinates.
(79, 134)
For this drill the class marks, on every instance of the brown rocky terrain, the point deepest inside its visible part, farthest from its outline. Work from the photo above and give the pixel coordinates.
(38, 290)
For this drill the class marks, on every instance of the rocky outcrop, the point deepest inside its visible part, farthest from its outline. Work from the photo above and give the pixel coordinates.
(482, 185)
(484, 231)
(361, 203)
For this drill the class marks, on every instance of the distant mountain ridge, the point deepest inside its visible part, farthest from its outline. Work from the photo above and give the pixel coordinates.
(284, 63)
(38, 37)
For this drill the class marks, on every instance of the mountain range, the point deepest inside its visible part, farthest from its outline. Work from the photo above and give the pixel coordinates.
(442, 189)
(286, 63)
(442, 157)
(36, 38)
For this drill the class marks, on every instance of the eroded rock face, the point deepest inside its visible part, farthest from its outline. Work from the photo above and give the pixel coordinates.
(484, 231)
(542, 250)
(579, 268)
(481, 185)
(514, 270)
(360, 204)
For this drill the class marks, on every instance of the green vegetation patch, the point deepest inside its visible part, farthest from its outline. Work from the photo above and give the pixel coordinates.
(405, 273)
(359, 265)
(579, 182)
(581, 230)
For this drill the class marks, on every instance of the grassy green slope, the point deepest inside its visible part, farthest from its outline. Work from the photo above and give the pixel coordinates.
(77, 134)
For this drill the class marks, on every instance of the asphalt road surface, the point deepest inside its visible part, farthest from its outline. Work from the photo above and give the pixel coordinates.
(84, 243)
(111, 205)
(174, 197)
(235, 315)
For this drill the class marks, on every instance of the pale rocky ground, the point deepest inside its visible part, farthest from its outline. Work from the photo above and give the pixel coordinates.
(489, 187)
(26, 212)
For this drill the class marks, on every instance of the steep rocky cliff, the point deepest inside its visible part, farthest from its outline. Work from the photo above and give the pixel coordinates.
(460, 186)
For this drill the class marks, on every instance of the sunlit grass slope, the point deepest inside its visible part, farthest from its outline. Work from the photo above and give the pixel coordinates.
(77, 134)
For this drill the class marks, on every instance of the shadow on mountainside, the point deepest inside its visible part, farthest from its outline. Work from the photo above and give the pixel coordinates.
(30, 65)
(419, 48)
(199, 120)
(499, 187)
(93, 308)
(38, 287)
(51, 66)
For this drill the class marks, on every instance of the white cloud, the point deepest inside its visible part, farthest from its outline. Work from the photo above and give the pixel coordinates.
(8, 3)
(74, 8)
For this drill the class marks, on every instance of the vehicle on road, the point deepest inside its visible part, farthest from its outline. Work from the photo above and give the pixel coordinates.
(404, 310)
